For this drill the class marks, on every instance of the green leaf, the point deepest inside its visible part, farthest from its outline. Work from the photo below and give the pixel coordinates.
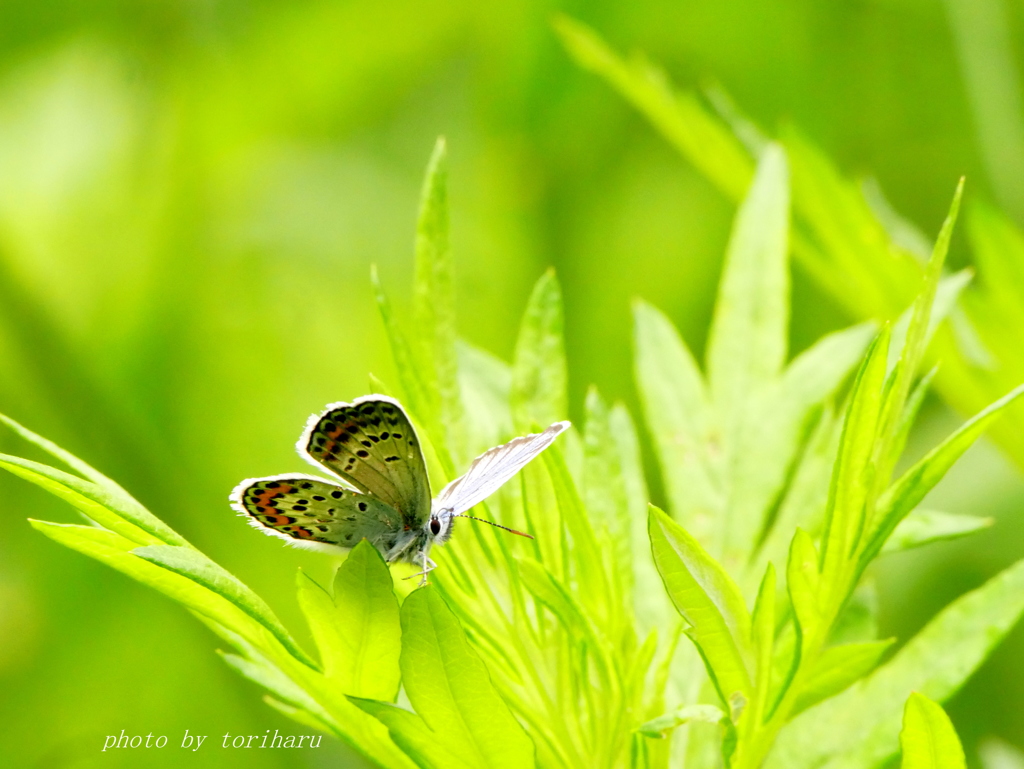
(923, 527)
(748, 338)
(947, 294)
(907, 492)
(863, 721)
(658, 728)
(195, 566)
(910, 411)
(105, 503)
(928, 739)
(917, 335)
(852, 481)
(357, 631)
(762, 639)
(449, 687)
(746, 351)
(649, 600)
(591, 566)
(803, 582)
(679, 419)
(434, 301)
(838, 668)
(539, 378)
(56, 451)
(606, 500)
(86, 497)
(709, 601)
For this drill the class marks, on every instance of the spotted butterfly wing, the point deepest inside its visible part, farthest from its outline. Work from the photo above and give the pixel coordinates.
(492, 469)
(371, 444)
(316, 514)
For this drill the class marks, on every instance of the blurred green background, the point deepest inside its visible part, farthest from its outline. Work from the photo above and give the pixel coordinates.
(191, 195)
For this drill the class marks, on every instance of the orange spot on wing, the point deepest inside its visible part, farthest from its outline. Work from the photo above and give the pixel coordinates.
(264, 497)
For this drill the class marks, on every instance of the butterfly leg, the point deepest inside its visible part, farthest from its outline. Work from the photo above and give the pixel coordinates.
(428, 566)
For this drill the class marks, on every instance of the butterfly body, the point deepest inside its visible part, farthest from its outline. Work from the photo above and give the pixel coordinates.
(381, 491)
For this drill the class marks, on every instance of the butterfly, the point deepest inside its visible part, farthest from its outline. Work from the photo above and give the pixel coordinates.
(379, 489)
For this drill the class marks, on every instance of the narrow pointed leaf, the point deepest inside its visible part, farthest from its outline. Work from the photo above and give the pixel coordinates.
(910, 411)
(85, 496)
(804, 582)
(605, 497)
(762, 637)
(56, 451)
(922, 527)
(650, 603)
(679, 419)
(539, 378)
(581, 536)
(947, 294)
(434, 301)
(852, 481)
(928, 739)
(112, 508)
(708, 600)
(748, 338)
(917, 335)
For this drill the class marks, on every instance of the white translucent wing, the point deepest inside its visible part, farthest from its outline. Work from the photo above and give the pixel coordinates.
(493, 468)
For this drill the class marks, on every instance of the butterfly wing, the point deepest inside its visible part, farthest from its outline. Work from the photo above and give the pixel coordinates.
(371, 444)
(316, 514)
(492, 469)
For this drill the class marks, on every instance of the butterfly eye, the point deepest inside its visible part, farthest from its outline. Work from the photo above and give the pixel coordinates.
(435, 526)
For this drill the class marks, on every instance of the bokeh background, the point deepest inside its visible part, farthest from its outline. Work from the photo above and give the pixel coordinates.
(192, 194)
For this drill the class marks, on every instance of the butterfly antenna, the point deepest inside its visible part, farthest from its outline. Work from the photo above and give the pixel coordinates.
(492, 523)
